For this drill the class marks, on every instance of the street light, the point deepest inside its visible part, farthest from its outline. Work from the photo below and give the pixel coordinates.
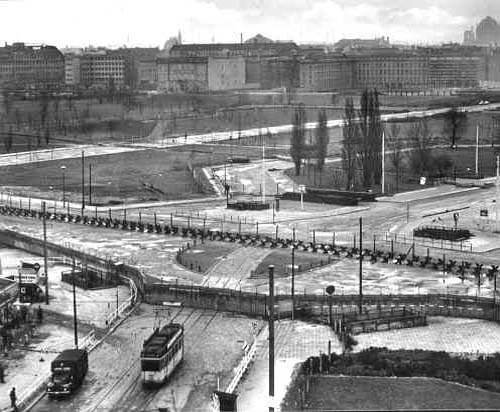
(330, 289)
(63, 168)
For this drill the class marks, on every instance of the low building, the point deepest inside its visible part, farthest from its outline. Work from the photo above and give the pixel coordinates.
(31, 67)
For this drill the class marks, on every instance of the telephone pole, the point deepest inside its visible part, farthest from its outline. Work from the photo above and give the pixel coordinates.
(75, 323)
(83, 181)
(271, 338)
(360, 264)
(45, 254)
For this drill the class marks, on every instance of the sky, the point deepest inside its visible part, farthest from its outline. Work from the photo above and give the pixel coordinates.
(114, 23)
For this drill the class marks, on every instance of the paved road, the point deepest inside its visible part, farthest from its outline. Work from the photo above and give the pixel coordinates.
(294, 342)
(230, 271)
(217, 136)
(213, 347)
(68, 152)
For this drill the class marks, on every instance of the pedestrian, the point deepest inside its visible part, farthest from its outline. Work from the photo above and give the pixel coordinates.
(39, 314)
(13, 399)
(2, 374)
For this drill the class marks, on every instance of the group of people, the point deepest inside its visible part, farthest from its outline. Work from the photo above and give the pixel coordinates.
(12, 393)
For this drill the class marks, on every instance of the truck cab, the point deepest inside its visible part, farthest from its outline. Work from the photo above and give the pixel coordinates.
(68, 371)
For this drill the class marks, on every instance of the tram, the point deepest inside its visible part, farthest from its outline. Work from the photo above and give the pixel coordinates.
(161, 353)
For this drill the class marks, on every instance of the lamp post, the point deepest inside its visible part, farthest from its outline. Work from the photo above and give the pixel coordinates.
(330, 289)
(63, 168)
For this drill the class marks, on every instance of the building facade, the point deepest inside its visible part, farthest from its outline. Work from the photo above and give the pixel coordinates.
(148, 74)
(102, 69)
(226, 73)
(31, 67)
(72, 70)
(332, 73)
(200, 74)
(390, 70)
(183, 74)
(253, 49)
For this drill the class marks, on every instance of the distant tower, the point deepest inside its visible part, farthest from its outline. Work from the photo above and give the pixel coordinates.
(179, 37)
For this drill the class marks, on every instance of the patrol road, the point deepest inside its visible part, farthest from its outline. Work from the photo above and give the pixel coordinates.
(213, 347)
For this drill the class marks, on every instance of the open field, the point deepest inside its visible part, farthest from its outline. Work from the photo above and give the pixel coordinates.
(367, 393)
(462, 165)
(144, 174)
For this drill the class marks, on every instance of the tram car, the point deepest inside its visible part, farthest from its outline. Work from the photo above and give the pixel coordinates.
(161, 353)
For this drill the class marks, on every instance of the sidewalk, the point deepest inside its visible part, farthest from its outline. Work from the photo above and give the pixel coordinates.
(26, 366)
(427, 194)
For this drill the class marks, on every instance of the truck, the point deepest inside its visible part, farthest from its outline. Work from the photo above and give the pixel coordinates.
(68, 371)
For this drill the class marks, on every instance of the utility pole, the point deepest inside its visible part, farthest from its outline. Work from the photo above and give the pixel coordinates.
(271, 338)
(477, 150)
(90, 183)
(263, 173)
(45, 254)
(75, 323)
(383, 162)
(360, 264)
(83, 181)
(293, 282)
(498, 193)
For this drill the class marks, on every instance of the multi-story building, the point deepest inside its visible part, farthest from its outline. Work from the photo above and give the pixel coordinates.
(390, 70)
(72, 69)
(148, 74)
(102, 68)
(132, 58)
(395, 70)
(226, 73)
(331, 73)
(183, 74)
(200, 74)
(279, 72)
(455, 70)
(37, 67)
(252, 49)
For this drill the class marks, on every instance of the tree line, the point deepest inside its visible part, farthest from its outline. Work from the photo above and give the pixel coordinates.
(361, 144)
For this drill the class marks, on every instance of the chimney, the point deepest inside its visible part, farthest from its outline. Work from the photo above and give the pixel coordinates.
(241, 38)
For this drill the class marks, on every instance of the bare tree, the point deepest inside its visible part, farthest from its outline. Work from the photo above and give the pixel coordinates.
(371, 136)
(350, 133)
(297, 144)
(455, 122)
(396, 150)
(47, 136)
(321, 140)
(420, 138)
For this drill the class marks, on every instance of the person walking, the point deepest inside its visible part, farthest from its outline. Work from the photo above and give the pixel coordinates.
(2, 374)
(13, 399)
(39, 314)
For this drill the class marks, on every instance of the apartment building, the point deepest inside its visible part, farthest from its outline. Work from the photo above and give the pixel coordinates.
(31, 67)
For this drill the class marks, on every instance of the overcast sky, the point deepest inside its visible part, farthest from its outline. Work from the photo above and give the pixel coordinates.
(150, 22)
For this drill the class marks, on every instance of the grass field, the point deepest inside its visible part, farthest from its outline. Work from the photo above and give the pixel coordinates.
(372, 393)
(463, 163)
(126, 176)
(203, 256)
